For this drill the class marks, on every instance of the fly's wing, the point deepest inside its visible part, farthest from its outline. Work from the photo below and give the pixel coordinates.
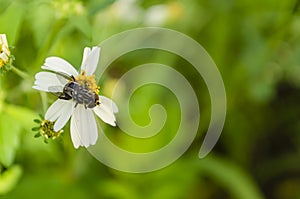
(63, 79)
(56, 90)
(61, 95)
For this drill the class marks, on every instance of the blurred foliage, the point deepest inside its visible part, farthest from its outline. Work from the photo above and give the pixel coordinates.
(255, 45)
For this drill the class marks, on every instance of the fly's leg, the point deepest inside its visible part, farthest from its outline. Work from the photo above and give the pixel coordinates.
(64, 97)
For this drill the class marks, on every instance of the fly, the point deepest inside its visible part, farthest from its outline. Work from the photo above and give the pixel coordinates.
(76, 91)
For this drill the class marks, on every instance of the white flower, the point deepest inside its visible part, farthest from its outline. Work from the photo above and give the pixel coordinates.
(83, 124)
(156, 15)
(126, 10)
(4, 50)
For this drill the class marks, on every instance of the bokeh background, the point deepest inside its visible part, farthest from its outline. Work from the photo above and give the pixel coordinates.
(255, 45)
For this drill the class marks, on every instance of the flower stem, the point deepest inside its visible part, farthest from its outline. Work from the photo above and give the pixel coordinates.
(44, 101)
(20, 73)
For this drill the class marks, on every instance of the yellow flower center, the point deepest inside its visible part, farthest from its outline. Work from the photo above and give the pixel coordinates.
(2, 63)
(46, 129)
(88, 82)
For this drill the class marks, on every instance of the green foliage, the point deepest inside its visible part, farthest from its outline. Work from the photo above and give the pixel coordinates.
(9, 179)
(21, 116)
(16, 12)
(229, 175)
(255, 45)
(9, 133)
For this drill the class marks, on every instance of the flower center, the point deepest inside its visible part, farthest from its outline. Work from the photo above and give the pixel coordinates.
(88, 82)
(46, 129)
(2, 63)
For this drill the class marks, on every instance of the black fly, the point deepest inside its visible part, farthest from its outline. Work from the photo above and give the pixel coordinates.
(76, 91)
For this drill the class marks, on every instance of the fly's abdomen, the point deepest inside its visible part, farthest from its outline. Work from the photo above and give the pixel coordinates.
(80, 94)
(84, 96)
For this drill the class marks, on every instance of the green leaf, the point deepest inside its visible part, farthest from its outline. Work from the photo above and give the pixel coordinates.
(4, 5)
(230, 176)
(82, 24)
(9, 139)
(21, 115)
(11, 21)
(41, 25)
(115, 189)
(9, 179)
(96, 6)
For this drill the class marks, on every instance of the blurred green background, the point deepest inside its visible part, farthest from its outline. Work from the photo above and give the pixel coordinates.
(255, 45)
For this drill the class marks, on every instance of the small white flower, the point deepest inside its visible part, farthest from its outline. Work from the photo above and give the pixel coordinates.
(83, 124)
(156, 15)
(4, 50)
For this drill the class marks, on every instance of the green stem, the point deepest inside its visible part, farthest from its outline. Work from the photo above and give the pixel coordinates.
(44, 101)
(20, 73)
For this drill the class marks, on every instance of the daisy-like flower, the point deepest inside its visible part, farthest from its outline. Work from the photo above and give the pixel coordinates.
(75, 102)
(5, 56)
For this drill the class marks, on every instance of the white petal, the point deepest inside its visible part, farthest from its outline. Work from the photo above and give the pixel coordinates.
(51, 77)
(105, 114)
(59, 65)
(50, 82)
(53, 111)
(108, 103)
(3, 56)
(90, 60)
(83, 127)
(40, 88)
(56, 109)
(66, 113)
(3, 40)
(74, 133)
(86, 53)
